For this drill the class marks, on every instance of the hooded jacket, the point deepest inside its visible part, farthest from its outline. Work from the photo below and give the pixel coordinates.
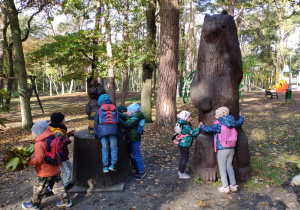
(229, 122)
(43, 169)
(131, 123)
(101, 130)
(187, 141)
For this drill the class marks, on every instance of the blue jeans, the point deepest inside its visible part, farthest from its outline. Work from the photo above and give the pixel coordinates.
(135, 151)
(112, 142)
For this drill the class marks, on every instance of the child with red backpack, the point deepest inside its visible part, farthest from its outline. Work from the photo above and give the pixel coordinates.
(225, 137)
(107, 130)
(46, 173)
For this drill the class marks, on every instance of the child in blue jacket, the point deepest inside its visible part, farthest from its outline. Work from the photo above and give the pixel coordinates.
(224, 154)
(108, 135)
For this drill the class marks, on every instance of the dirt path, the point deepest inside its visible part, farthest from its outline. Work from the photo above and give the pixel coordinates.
(161, 189)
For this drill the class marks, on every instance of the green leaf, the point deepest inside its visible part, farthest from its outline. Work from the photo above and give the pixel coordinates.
(30, 148)
(13, 163)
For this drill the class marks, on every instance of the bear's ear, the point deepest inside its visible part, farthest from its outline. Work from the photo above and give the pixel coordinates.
(224, 12)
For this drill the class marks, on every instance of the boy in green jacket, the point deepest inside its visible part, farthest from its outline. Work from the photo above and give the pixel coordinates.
(130, 121)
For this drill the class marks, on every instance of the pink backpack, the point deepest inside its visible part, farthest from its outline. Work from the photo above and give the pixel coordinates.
(227, 137)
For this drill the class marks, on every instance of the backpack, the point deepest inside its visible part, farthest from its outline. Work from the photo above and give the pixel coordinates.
(227, 137)
(178, 128)
(140, 128)
(54, 150)
(108, 114)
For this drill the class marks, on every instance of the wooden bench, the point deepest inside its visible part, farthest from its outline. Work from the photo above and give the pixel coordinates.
(272, 94)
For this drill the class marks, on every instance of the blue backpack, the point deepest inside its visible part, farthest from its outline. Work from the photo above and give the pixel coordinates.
(140, 129)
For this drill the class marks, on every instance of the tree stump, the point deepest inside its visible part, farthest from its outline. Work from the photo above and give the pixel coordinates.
(87, 162)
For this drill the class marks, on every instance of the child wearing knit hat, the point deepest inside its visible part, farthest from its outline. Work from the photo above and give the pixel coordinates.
(58, 127)
(185, 141)
(47, 174)
(130, 121)
(224, 154)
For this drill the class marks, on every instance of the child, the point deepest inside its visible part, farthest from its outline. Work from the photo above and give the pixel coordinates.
(224, 154)
(130, 121)
(186, 141)
(107, 133)
(59, 128)
(46, 173)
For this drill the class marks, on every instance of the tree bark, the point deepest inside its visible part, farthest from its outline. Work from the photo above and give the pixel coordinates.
(168, 63)
(126, 40)
(149, 66)
(191, 38)
(111, 75)
(231, 7)
(3, 22)
(20, 63)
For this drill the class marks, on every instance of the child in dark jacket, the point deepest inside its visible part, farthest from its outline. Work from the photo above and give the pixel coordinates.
(130, 121)
(224, 154)
(185, 141)
(59, 128)
(107, 133)
(46, 173)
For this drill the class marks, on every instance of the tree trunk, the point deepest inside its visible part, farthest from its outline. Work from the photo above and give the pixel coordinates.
(231, 7)
(149, 66)
(3, 24)
(191, 38)
(20, 63)
(71, 86)
(168, 63)
(126, 40)
(111, 75)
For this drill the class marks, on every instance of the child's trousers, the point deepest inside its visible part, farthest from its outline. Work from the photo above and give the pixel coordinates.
(184, 158)
(135, 151)
(225, 157)
(40, 186)
(66, 171)
(109, 141)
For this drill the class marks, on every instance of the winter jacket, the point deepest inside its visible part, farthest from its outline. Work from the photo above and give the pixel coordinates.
(66, 141)
(43, 169)
(101, 130)
(187, 141)
(131, 123)
(228, 121)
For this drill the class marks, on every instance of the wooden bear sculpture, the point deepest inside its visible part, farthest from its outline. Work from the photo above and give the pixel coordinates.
(215, 84)
(94, 92)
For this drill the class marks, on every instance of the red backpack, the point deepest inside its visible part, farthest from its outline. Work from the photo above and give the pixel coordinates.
(108, 114)
(54, 150)
(227, 137)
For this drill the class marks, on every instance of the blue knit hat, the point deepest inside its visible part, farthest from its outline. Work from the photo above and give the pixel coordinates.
(133, 108)
(39, 127)
(103, 97)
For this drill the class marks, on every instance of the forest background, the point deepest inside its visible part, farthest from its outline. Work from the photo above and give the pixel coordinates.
(141, 45)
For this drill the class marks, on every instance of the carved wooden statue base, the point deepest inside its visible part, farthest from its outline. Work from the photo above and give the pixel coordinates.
(205, 164)
(87, 162)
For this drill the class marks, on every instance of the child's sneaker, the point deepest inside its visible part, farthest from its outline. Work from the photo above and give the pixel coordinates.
(224, 189)
(64, 204)
(105, 169)
(112, 168)
(234, 188)
(140, 176)
(29, 206)
(183, 176)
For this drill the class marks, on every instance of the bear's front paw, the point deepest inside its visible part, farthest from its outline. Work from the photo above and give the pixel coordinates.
(206, 104)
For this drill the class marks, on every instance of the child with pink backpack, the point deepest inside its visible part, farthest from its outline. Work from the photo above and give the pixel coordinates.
(225, 137)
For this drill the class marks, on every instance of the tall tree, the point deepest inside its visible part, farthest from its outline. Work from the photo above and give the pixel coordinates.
(150, 63)
(19, 63)
(168, 63)
(3, 21)
(126, 40)
(111, 73)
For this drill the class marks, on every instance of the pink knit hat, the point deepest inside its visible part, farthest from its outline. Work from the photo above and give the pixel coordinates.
(184, 115)
(222, 111)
